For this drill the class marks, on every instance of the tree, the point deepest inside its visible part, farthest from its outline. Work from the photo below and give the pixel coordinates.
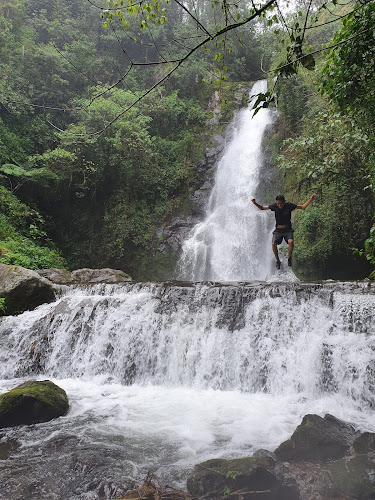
(348, 75)
(150, 40)
(348, 79)
(207, 31)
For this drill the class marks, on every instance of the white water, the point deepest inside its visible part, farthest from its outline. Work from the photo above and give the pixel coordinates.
(162, 376)
(233, 242)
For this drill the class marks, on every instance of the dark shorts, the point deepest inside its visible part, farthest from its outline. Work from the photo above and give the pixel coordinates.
(279, 234)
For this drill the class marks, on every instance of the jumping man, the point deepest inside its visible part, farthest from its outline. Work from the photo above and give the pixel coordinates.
(283, 211)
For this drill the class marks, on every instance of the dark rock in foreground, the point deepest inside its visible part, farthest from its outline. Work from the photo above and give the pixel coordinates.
(31, 403)
(317, 438)
(262, 476)
(23, 289)
(324, 459)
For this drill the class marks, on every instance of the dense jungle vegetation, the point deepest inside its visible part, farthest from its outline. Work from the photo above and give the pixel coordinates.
(85, 184)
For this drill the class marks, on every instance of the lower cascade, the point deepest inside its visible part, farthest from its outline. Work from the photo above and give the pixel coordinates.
(164, 375)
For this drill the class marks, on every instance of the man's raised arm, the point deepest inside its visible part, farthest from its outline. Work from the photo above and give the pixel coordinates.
(261, 207)
(312, 197)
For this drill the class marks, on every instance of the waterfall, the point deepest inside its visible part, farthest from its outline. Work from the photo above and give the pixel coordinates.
(279, 338)
(162, 376)
(233, 242)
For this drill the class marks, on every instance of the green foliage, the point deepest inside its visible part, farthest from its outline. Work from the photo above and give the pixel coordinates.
(26, 253)
(232, 474)
(348, 74)
(348, 78)
(329, 157)
(3, 306)
(291, 100)
(370, 249)
(23, 240)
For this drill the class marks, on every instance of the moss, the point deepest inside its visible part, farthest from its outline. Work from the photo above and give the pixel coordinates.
(227, 467)
(32, 402)
(351, 476)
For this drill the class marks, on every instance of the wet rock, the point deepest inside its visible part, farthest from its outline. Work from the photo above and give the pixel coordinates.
(354, 476)
(259, 477)
(318, 438)
(23, 289)
(58, 276)
(314, 481)
(8, 447)
(199, 199)
(105, 275)
(175, 233)
(364, 443)
(32, 402)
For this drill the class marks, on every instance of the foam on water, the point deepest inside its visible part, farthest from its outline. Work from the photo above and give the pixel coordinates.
(166, 429)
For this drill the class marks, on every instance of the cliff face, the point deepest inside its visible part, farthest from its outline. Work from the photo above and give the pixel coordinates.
(172, 235)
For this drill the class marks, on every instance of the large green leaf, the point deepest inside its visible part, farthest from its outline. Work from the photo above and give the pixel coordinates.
(11, 169)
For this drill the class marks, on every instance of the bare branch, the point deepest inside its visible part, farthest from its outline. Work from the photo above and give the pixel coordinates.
(319, 50)
(193, 17)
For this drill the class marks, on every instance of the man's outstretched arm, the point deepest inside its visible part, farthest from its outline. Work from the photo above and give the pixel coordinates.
(312, 197)
(261, 207)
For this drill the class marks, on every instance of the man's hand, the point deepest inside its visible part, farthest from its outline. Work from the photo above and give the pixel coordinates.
(261, 207)
(312, 197)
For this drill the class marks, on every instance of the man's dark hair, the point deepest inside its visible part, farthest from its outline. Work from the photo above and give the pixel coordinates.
(280, 197)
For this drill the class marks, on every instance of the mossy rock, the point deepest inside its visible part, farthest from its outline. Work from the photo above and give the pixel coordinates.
(259, 476)
(316, 439)
(32, 402)
(354, 476)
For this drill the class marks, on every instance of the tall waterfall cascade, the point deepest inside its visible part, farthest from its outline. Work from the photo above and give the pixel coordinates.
(232, 242)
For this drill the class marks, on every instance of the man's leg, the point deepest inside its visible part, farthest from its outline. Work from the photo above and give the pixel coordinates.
(275, 250)
(277, 238)
(291, 248)
(276, 254)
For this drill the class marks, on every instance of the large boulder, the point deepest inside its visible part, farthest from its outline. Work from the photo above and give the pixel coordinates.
(260, 476)
(83, 276)
(23, 289)
(318, 438)
(32, 402)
